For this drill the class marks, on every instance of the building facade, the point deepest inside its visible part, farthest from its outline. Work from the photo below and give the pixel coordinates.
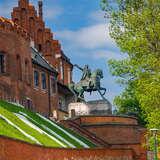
(34, 71)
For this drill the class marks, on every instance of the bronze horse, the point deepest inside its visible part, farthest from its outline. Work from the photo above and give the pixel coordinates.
(89, 84)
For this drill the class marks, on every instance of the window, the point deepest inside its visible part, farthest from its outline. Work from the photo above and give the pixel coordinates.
(44, 85)
(48, 47)
(36, 78)
(2, 63)
(29, 104)
(19, 69)
(39, 47)
(31, 26)
(23, 17)
(39, 39)
(53, 85)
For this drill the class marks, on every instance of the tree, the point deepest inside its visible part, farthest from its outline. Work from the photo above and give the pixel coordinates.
(135, 27)
(127, 103)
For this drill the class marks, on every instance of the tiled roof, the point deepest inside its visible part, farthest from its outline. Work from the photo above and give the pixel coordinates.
(37, 58)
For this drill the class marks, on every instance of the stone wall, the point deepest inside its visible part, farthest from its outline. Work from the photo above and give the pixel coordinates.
(25, 151)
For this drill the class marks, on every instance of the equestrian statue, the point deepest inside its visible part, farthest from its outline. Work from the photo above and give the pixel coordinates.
(90, 81)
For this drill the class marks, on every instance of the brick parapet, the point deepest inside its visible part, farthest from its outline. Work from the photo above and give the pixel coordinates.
(25, 151)
(110, 119)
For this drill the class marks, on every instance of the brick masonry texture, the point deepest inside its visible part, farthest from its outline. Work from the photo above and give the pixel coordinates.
(26, 151)
(112, 132)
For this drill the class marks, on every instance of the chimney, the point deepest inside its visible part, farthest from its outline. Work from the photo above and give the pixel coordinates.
(40, 9)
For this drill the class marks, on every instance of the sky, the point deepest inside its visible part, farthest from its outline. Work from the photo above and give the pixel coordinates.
(83, 32)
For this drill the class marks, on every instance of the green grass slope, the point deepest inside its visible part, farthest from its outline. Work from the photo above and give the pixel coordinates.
(20, 123)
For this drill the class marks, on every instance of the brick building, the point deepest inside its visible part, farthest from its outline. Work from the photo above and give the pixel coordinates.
(31, 60)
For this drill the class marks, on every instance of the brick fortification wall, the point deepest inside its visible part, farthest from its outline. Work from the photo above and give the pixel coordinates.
(25, 151)
(116, 131)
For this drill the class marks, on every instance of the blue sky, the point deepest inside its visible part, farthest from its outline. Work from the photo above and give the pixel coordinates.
(84, 35)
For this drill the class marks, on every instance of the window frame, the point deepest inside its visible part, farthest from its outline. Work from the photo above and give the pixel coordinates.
(43, 73)
(2, 63)
(36, 85)
(19, 67)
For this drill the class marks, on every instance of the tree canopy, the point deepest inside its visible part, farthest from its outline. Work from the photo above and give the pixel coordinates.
(135, 27)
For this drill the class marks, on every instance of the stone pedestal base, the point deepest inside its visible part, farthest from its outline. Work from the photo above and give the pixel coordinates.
(98, 107)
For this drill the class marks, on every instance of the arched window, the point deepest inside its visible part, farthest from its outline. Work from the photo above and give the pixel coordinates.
(19, 67)
(31, 26)
(2, 62)
(40, 39)
(23, 17)
(48, 46)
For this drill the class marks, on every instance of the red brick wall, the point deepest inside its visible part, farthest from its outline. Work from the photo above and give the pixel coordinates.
(116, 134)
(108, 119)
(119, 132)
(16, 150)
(13, 43)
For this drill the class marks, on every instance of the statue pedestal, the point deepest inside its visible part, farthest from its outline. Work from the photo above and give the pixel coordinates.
(97, 107)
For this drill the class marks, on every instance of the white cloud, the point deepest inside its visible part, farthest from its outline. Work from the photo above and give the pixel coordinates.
(107, 54)
(90, 37)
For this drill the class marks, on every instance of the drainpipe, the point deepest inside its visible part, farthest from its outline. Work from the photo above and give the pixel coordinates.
(49, 95)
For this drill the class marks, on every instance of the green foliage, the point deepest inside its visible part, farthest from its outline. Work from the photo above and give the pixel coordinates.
(135, 26)
(128, 104)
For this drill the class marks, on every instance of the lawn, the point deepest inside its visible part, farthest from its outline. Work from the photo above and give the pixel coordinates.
(20, 123)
